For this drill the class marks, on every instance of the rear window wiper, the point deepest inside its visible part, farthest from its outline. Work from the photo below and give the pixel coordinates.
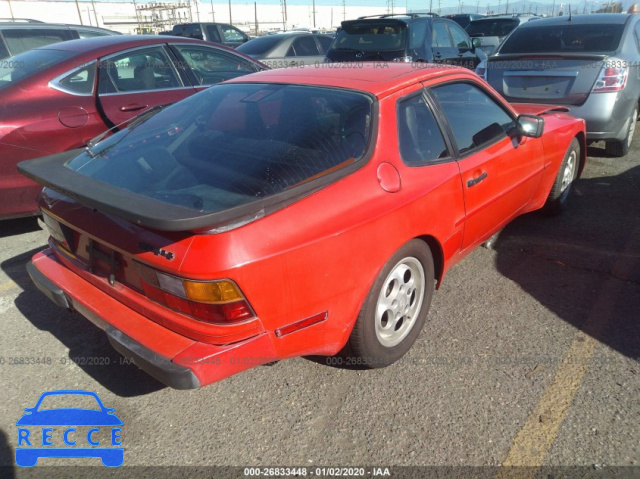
(133, 123)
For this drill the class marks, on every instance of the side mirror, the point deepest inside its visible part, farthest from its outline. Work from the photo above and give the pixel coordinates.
(530, 125)
(476, 42)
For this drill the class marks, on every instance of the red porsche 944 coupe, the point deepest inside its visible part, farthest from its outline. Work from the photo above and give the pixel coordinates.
(292, 212)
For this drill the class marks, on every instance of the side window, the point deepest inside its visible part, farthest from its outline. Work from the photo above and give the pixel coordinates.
(417, 33)
(231, 34)
(140, 70)
(419, 136)
(20, 40)
(441, 36)
(460, 38)
(304, 47)
(212, 65)
(78, 82)
(325, 43)
(193, 31)
(474, 117)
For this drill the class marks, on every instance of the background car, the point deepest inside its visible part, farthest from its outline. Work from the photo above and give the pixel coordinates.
(588, 63)
(216, 235)
(18, 37)
(221, 33)
(290, 49)
(405, 38)
(489, 32)
(60, 96)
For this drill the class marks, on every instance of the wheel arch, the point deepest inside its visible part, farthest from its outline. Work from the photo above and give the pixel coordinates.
(582, 139)
(438, 256)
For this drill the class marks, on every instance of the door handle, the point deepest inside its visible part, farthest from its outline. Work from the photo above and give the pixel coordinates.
(478, 179)
(133, 107)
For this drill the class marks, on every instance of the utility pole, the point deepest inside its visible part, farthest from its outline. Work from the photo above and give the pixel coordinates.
(213, 14)
(314, 13)
(284, 15)
(507, 8)
(230, 21)
(95, 15)
(79, 14)
(255, 14)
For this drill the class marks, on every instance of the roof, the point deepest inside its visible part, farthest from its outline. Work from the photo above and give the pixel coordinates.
(96, 43)
(377, 78)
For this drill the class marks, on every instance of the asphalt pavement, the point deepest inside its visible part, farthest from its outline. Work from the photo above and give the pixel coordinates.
(530, 357)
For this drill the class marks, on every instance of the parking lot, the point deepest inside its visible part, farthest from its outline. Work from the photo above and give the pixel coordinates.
(530, 357)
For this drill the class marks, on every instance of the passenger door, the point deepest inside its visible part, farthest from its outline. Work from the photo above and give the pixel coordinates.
(499, 171)
(442, 45)
(466, 54)
(131, 82)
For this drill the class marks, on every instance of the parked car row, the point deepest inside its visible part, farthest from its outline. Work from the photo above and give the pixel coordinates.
(212, 235)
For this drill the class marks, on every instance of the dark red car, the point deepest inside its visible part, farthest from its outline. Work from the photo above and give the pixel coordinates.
(60, 96)
(299, 211)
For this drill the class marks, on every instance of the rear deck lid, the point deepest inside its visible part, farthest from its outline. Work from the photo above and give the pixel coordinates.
(557, 63)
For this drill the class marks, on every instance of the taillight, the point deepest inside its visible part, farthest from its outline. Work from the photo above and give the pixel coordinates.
(219, 302)
(611, 79)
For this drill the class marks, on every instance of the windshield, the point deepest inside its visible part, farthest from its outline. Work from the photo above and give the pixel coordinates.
(233, 144)
(371, 37)
(564, 39)
(491, 28)
(25, 64)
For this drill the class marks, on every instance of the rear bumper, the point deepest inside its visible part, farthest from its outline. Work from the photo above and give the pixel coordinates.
(177, 361)
(606, 115)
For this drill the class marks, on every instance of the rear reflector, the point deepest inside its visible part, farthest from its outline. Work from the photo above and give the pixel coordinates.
(303, 323)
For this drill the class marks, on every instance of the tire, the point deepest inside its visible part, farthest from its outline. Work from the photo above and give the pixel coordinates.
(618, 148)
(563, 184)
(395, 309)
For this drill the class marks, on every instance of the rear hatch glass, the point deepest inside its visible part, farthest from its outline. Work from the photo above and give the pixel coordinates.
(492, 28)
(231, 150)
(370, 40)
(553, 64)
